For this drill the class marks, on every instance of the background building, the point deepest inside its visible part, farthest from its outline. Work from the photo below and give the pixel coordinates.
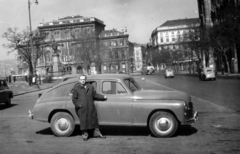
(115, 45)
(138, 57)
(174, 36)
(66, 34)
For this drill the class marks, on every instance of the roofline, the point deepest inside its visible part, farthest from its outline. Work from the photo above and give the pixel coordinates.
(111, 37)
(69, 24)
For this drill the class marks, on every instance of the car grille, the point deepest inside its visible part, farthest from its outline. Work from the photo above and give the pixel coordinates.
(189, 113)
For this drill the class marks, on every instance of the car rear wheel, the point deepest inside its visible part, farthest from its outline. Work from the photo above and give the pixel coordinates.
(62, 124)
(163, 124)
(8, 102)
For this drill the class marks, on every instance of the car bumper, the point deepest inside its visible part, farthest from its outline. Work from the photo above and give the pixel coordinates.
(192, 119)
(30, 114)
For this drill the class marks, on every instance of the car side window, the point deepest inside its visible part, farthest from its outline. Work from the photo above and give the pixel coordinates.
(111, 87)
(121, 89)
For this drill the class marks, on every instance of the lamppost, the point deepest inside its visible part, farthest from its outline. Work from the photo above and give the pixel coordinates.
(30, 24)
(31, 42)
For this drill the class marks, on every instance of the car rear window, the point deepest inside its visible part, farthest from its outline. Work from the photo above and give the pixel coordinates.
(59, 91)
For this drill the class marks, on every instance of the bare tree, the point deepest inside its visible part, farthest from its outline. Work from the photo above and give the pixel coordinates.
(226, 31)
(20, 42)
(86, 48)
(190, 46)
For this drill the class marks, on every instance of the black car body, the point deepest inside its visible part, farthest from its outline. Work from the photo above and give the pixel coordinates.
(5, 93)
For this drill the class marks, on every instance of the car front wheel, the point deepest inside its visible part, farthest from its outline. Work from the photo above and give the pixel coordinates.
(62, 124)
(163, 124)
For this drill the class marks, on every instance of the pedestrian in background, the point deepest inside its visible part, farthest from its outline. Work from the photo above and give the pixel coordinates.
(10, 78)
(14, 78)
(83, 96)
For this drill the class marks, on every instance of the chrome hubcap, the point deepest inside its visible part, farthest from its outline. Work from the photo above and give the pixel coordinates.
(62, 124)
(163, 124)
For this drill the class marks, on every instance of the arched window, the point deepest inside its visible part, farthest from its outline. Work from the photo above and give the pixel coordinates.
(48, 56)
(79, 69)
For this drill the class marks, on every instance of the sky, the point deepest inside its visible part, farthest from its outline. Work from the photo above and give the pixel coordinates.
(140, 17)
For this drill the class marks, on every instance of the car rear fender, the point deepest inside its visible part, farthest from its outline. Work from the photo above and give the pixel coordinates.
(58, 110)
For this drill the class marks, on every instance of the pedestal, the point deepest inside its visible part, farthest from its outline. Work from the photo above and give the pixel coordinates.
(55, 59)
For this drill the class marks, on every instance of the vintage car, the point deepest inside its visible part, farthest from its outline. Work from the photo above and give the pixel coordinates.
(148, 70)
(169, 73)
(5, 93)
(127, 104)
(207, 73)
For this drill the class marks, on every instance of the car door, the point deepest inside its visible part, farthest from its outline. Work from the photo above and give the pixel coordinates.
(116, 110)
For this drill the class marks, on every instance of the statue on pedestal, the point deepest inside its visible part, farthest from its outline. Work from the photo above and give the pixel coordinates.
(55, 47)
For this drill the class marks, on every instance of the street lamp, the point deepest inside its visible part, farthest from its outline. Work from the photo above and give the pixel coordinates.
(31, 43)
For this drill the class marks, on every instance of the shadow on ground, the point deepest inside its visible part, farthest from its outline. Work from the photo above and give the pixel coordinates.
(184, 130)
(3, 106)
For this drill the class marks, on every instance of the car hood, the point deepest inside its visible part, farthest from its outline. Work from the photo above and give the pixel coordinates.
(162, 95)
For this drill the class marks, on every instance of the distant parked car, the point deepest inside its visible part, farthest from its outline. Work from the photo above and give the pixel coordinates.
(207, 73)
(5, 93)
(148, 70)
(127, 104)
(169, 73)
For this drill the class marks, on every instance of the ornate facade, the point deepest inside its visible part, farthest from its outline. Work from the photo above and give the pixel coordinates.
(116, 46)
(60, 32)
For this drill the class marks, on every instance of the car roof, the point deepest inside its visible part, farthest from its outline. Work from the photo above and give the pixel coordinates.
(96, 77)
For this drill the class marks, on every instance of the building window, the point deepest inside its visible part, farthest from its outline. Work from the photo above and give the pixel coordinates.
(162, 39)
(123, 54)
(113, 43)
(110, 55)
(166, 33)
(57, 35)
(121, 42)
(167, 39)
(116, 54)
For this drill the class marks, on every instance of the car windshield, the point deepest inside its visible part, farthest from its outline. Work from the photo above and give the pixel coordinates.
(132, 84)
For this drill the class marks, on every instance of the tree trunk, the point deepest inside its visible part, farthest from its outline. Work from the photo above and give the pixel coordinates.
(227, 62)
(235, 59)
